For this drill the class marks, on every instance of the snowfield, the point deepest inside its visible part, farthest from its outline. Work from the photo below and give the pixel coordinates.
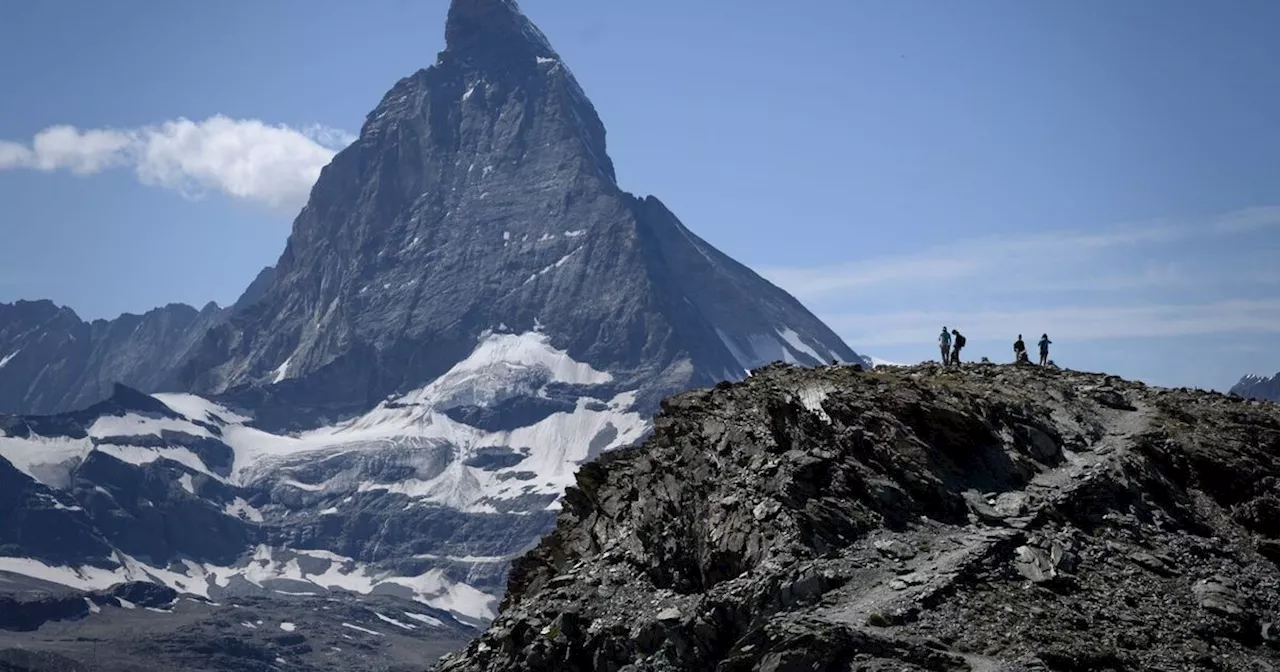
(413, 434)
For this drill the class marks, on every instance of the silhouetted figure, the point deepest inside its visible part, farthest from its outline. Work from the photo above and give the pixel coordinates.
(1044, 349)
(1020, 351)
(944, 342)
(958, 341)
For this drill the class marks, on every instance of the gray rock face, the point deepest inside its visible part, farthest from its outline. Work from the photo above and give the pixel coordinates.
(480, 195)
(53, 361)
(826, 519)
(1259, 387)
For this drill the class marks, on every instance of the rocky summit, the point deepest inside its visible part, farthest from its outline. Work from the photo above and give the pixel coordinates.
(916, 518)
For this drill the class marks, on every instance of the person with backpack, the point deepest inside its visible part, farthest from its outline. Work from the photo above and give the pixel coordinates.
(958, 340)
(1044, 349)
(944, 342)
(1020, 351)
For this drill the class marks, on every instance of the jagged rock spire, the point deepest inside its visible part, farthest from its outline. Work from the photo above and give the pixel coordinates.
(493, 31)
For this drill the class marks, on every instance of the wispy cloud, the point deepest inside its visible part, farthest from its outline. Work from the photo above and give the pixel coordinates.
(1052, 261)
(1076, 323)
(1156, 280)
(246, 159)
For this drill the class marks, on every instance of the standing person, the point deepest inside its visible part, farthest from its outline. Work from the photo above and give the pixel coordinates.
(1019, 350)
(944, 342)
(1044, 349)
(959, 343)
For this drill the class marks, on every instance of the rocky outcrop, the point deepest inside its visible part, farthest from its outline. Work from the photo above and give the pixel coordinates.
(1258, 387)
(914, 518)
(52, 361)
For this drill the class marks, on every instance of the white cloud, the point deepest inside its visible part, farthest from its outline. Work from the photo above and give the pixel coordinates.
(272, 165)
(13, 155)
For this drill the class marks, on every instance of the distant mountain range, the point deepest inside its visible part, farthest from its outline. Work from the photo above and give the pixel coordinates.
(1259, 387)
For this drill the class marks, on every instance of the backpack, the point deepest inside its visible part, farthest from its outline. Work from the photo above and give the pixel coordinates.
(959, 340)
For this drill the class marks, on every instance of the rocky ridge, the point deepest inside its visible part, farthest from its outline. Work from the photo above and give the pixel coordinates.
(1259, 387)
(52, 361)
(914, 518)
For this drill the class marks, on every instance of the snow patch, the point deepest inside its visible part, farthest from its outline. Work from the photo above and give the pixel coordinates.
(360, 629)
(187, 484)
(542, 60)
(423, 618)
(93, 606)
(561, 262)
(8, 358)
(575, 234)
(49, 461)
(469, 92)
(288, 627)
(791, 338)
(126, 604)
(200, 409)
(392, 621)
(133, 424)
(283, 370)
(138, 456)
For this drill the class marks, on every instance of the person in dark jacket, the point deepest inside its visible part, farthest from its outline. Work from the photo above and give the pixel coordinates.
(957, 340)
(1044, 349)
(1020, 351)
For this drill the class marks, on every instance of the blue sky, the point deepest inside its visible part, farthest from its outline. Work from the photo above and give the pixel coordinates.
(1106, 172)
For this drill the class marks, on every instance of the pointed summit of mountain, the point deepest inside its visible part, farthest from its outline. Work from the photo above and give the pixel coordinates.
(480, 198)
(493, 31)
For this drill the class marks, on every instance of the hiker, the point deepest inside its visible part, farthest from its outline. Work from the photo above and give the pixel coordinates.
(1020, 351)
(1044, 349)
(959, 343)
(944, 342)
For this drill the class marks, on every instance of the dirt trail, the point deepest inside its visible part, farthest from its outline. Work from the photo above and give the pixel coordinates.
(889, 592)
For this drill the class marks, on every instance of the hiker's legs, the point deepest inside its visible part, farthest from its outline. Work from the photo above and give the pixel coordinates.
(955, 356)
(1044, 357)
(946, 355)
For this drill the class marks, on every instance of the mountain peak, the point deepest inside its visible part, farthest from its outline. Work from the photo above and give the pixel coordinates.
(481, 194)
(492, 30)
